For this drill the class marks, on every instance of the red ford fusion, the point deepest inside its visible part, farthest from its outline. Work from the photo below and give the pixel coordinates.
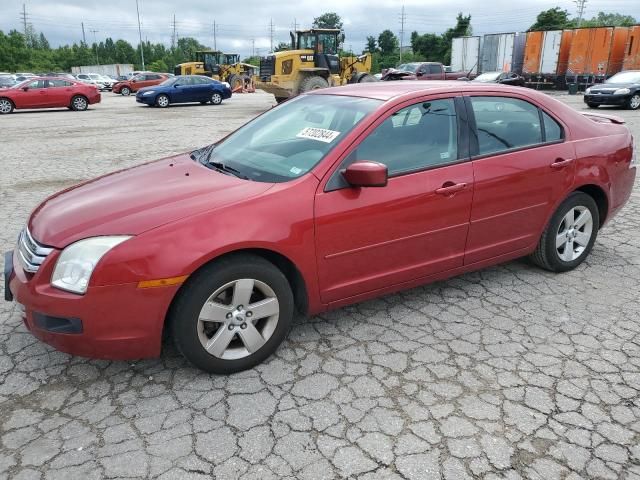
(47, 92)
(334, 197)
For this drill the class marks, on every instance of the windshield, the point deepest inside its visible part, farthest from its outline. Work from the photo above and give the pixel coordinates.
(488, 77)
(625, 77)
(169, 81)
(288, 141)
(408, 67)
(95, 77)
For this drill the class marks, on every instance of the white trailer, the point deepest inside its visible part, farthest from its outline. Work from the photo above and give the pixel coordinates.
(465, 54)
(116, 69)
(503, 52)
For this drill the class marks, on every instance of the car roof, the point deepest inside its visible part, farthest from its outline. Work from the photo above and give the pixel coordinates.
(389, 90)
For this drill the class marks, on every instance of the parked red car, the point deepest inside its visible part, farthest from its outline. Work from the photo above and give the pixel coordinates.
(334, 197)
(43, 92)
(147, 79)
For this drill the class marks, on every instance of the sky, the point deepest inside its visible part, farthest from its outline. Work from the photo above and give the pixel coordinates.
(244, 26)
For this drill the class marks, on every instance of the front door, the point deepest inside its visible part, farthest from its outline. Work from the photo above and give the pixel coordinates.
(522, 167)
(35, 95)
(371, 238)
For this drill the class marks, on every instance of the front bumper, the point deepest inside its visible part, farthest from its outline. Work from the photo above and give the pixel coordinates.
(606, 99)
(148, 100)
(116, 322)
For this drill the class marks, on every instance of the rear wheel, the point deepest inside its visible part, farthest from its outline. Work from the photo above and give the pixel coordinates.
(313, 83)
(126, 91)
(216, 98)
(79, 103)
(634, 102)
(592, 105)
(367, 78)
(235, 81)
(6, 106)
(162, 101)
(232, 314)
(570, 234)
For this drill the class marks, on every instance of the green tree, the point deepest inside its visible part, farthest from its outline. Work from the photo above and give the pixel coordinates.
(610, 20)
(371, 45)
(430, 46)
(282, 46)
(553, 19)
(158, 66)
(388, 43)
(328, 20)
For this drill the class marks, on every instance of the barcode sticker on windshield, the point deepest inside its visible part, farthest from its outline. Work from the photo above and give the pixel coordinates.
(320, 134)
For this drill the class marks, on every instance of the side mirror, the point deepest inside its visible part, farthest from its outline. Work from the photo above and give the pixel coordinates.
(366, 174)
(419, 74)
(26, 89)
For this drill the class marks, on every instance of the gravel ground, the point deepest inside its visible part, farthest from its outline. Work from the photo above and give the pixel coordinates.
(510, 372)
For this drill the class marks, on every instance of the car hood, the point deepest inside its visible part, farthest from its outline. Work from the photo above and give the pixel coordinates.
(133, 201)
(607, 86)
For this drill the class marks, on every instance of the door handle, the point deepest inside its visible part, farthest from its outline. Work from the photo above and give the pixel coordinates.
(561, 162)
(449, 188)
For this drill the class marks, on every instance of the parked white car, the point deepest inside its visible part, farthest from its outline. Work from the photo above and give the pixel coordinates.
(95, 79)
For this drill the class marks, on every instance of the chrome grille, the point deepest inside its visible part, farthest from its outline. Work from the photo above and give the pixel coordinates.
(30, 253)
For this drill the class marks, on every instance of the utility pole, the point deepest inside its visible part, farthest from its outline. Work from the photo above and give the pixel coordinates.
(271, 30)
(173, 35)
(95, 42)
(295, 24)
(402, 20)
(84, 37)
(140, 34)
(253, 47)
(24, 21)
(215, 31)
(581, 6)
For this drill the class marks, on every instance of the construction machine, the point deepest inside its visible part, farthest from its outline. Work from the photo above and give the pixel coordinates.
(225, 67)
(313, 62)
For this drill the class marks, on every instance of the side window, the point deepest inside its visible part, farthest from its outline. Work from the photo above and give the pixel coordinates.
(423, 69)
(421, 136)
(59, 83)
(552, 131)
(434, 69)
(505, 123)
(36, 84)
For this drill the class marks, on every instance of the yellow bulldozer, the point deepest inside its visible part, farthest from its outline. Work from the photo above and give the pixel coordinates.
(225, 67)
(313, 62)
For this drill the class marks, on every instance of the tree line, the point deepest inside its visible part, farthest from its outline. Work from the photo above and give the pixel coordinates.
(32, 52)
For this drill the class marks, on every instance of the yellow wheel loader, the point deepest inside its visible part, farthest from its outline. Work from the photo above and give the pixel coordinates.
(225, 67)
(313, 62)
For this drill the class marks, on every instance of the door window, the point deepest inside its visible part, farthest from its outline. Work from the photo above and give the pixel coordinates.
(420, 136)
(36, 84)
(505, 123)
(59, 83)
(434, 69)
(552, 130)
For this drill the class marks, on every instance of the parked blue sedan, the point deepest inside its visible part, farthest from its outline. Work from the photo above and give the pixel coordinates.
(185, 89)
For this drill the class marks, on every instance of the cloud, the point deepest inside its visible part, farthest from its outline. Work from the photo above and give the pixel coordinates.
(243, 24)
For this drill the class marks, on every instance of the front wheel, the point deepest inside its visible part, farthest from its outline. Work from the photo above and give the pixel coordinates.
(570, 234)
(162, 101)
(216, 98)
(79, 103)
(232, 314)
(125, 91)
(634, 102)
(6, 106)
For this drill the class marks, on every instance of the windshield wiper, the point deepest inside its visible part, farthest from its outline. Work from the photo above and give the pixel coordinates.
(227, 169)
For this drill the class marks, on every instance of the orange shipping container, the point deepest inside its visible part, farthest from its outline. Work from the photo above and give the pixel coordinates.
(632, 50)
(597, 52)
(547, 53)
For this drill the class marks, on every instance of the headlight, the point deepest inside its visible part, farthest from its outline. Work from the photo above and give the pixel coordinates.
(148, 93)
(226, 84)
(588, 91)
(622, 91)
(76, 263)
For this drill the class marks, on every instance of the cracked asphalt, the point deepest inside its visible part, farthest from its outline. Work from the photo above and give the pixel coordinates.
(510, 372)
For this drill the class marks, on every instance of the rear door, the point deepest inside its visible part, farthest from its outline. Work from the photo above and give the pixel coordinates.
(372, 238)
(59, 92)
(522, 166)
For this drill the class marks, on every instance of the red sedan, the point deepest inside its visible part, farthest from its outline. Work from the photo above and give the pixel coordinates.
(48, 92)
(334, 197)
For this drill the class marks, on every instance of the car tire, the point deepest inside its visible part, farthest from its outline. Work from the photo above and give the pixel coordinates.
(6, 106)
(634, 102)
(592, 105)
(162, 101)
(79, 103)
(216, 98)
(367, 78)
(313, 83)
(239, 284)
(569, 237)
(125, 91)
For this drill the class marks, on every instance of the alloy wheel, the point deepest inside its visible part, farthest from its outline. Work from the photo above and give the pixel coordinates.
(125, 91)
(238, 319)
(163, 101)
(79, 103)
(634, 102)
(574, 233)
(5, 106)
(216, 99)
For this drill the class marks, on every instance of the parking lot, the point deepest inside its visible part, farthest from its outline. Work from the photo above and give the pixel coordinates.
(511, 372)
